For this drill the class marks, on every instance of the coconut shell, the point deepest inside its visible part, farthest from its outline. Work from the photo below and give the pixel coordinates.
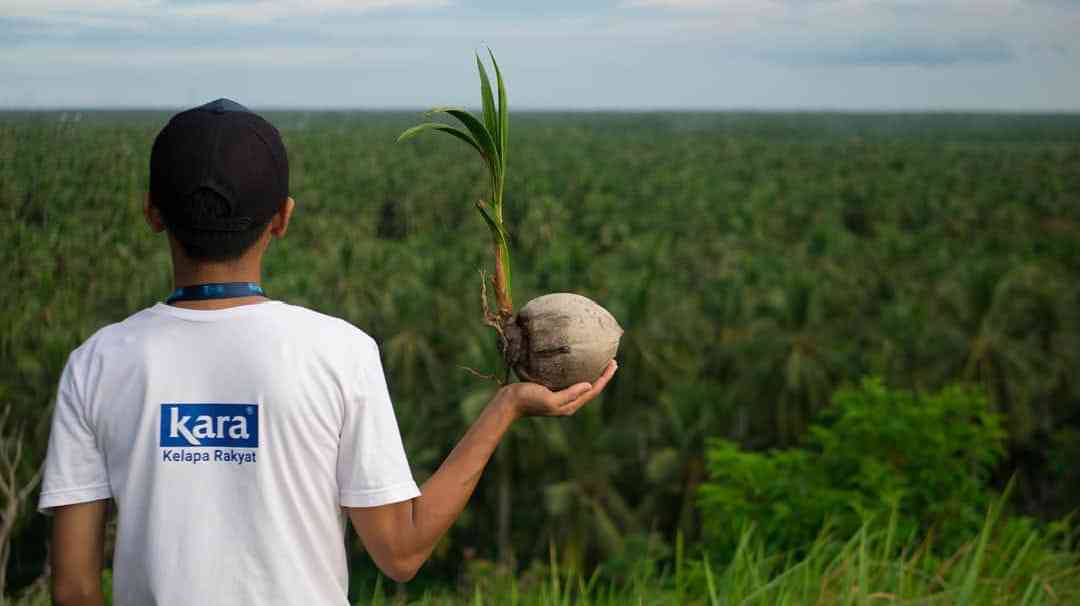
(561, 339)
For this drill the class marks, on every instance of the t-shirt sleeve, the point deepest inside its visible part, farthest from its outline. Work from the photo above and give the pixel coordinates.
(371, 469)
(75, 470)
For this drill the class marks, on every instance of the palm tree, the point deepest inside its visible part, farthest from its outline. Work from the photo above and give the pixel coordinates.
(585, 511)
(786, 359)
(999, 330)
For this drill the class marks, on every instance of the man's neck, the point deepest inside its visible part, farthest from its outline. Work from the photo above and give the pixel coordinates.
(189, 273)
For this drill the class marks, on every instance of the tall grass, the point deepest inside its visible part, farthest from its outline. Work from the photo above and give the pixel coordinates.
(1009, 561)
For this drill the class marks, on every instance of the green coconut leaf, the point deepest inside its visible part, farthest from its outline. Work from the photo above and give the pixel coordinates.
(481, 135)
(504, 112)
(488, 136)
(499, 234)
(491, 119)
(486, 214)
(439, 126)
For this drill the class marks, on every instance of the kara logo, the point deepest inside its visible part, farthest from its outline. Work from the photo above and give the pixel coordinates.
(229, 425)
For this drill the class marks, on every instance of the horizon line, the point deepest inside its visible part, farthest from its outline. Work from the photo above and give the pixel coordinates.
(573, 110)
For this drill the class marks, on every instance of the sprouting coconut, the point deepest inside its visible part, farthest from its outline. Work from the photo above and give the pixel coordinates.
(561, 339)
(556, 340)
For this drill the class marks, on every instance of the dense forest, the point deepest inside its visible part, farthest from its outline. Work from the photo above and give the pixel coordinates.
(828, 317)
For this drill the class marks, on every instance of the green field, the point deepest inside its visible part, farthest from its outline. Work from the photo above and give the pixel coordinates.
(764, 266)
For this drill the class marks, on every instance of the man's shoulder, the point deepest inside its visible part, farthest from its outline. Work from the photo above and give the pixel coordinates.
(285, 320)
(324, 326)
(114, 333)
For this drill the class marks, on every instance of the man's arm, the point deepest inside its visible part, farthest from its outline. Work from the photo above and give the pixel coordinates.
(401, 536)
(78, 545)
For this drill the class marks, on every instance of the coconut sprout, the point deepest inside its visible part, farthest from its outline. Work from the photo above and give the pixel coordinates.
(558, 339)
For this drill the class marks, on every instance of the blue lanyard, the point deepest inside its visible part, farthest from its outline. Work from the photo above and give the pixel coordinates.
(224, 290)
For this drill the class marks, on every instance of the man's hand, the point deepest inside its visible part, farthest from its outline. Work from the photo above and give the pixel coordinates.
(400, 536)
(534, 400)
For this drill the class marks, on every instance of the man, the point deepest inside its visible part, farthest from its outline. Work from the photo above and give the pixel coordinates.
(235, 433)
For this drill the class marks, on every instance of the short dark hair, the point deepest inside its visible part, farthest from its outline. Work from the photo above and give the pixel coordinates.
(218, 174)
(205, 245)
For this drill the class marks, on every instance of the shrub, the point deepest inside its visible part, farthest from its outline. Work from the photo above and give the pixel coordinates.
(875, 450)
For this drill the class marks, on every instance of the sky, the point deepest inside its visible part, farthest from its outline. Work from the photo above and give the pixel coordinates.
(869, 55)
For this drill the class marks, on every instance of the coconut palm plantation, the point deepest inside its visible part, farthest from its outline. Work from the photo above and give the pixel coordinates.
(848, 371)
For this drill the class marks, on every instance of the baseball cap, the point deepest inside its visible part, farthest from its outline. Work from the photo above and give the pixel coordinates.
(224, 151)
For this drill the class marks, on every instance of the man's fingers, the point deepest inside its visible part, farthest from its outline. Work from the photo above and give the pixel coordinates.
(573, 407)
(598, 386)
(565, 396)
(609, 372)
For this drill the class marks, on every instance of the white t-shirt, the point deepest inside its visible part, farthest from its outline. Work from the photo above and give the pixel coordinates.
(230, 440)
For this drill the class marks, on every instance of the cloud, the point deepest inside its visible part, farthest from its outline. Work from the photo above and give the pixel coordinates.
(690, 4)
(559, 53)
(147, 25)
(84, 12)
(275, 9)
(883, 33)
(884, 54)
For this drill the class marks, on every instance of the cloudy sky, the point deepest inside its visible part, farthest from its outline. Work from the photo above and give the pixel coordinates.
(697, 54)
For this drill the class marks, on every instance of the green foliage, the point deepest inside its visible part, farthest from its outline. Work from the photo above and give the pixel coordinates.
(757, 261)
(926, 456)
(1009, 563)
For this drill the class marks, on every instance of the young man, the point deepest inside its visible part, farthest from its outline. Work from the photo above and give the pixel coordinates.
(235, 433)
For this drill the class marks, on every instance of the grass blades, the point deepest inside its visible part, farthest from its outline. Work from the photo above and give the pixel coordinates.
(1006, 563)
(872, 566)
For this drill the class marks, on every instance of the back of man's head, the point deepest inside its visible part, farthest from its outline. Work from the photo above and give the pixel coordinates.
(218, 173)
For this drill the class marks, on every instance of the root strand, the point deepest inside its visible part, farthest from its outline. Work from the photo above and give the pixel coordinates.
(477, 373)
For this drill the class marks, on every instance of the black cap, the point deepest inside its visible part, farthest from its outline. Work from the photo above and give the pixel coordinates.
(227, 149)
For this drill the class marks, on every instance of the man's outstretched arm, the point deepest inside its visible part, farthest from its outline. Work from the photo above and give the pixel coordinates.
(78, 545)
(401, 536)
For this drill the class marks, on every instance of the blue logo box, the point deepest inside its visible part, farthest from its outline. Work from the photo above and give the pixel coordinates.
(220, 425)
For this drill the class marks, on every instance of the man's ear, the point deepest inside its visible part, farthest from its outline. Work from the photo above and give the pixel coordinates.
(279, 224)
(152, 215)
